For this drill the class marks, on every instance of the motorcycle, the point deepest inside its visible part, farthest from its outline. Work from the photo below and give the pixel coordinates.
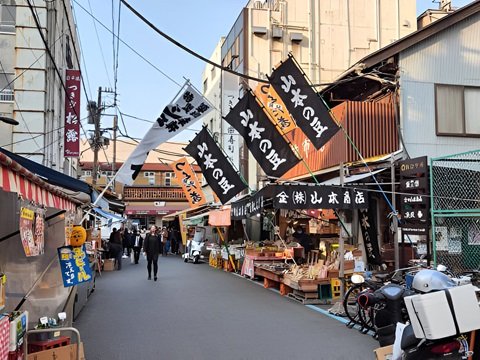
(451, 347)
(196, 249)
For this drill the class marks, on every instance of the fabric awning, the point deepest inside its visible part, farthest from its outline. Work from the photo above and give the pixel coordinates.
(107, 215)
(16, 178)
(195, 219)
(220, 217)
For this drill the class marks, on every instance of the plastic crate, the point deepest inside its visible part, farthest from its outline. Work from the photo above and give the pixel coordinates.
(325, 291)
(336, 286)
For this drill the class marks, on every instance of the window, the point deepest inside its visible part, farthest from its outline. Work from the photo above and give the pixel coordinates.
(149, 174)
(457, 109)
(8, 13)
(168, 178)
(6, 87)
(87, 173)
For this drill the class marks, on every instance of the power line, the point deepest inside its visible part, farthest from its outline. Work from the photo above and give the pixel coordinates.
(128, 46)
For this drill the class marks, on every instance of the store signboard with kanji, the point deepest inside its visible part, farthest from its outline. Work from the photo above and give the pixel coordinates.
(231, 138)
(74, 265)
(188, 180)
(72, 114)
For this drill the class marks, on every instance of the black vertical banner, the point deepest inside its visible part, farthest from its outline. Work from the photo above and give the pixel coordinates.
(267, 145)
(368, 228)
(307, 108)
(216, 168)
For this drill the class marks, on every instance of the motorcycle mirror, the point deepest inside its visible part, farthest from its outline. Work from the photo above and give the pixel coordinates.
(357, 279)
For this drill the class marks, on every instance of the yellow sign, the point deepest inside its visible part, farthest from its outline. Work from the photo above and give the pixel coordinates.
(78, 235)
(27, 213)
(275, 108)
(183, 228)
(187, 178)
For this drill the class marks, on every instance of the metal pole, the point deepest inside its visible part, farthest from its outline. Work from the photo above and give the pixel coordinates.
(96, 137)
(114, 164)
(394, 221)
(341, 241)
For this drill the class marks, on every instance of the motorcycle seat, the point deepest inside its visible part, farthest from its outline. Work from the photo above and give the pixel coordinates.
(408, 338)
(392, 291)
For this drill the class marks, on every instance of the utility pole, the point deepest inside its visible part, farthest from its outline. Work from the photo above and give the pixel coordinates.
(97, 137)
(114, 165)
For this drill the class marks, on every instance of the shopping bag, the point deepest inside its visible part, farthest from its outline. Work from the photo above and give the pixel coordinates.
(132, 258)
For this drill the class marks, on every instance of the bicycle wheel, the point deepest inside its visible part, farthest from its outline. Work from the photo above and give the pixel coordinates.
(350, 304)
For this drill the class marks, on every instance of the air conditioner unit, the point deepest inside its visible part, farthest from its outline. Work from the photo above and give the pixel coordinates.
(259, 30)
(277, 32)
(296, 37)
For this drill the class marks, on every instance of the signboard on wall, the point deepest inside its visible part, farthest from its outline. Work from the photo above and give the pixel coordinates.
(72, 114)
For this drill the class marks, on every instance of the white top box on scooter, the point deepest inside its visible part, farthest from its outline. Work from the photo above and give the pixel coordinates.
(444, 313)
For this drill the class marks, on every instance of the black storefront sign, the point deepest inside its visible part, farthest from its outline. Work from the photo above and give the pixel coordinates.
(298, 197)
(304, 104)
(269, 148)
(217, 170)
(417, 167)
(413, 184)
(414, 230)
(369, 232)
(250, 206)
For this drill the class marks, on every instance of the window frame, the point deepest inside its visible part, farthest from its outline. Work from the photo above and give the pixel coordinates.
(463, 134)
(149, 174)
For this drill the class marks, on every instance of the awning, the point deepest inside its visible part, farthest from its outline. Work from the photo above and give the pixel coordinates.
(16, 178)
(220, 217)
(153, 210)
(196, 219)
(193, 211)
(108, 216)
(51, 176)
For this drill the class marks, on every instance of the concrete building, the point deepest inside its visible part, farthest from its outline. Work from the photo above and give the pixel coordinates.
(325, 37)
(31, 90)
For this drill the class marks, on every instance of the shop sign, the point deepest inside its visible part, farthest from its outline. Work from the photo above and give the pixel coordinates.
(267, 145)
(248, 207)
(32, 231)
(306, 106)
(415, 202)
(74, 265)
(186, 177)
(414, 230)
(217, 170)
(318, 197)
(72, 114)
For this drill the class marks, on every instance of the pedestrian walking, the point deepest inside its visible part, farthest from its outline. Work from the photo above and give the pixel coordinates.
(137, 244)
(127, 243)
(165, 241)
(116, 249)
(151, 246)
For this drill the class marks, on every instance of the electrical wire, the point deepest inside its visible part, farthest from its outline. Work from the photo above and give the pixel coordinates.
(101, 48)
(128, 46)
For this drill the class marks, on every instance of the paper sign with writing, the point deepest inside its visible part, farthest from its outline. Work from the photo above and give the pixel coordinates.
(74, 265)
(72, 114)
(275, 107)
(217, 171)
(183, 111)
(304, 104)
(187, 178)
(267, 145)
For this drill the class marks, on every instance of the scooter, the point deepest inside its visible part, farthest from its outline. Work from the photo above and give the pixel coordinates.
(196, 249)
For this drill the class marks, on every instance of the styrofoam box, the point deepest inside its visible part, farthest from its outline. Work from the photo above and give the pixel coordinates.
(432, 318)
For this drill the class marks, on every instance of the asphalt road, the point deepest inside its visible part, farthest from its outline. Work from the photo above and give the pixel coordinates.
(197, 312)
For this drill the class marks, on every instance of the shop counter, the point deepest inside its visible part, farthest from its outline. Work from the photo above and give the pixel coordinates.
(250, 261)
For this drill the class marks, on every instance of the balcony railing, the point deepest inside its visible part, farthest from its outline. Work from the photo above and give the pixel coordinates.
(6, 95)
(154, 193)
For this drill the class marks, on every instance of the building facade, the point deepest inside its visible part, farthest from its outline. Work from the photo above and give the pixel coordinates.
(325, 37)
(31, 89)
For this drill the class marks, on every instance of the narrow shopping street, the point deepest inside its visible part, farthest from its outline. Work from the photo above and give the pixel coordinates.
(197, 312)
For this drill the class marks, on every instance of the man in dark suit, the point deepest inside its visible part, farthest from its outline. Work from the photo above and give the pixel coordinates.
(137, 244)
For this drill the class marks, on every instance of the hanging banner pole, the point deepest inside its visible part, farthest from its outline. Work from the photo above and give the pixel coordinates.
(226, 248)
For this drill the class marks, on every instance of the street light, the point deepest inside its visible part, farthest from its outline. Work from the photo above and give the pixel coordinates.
(8, 120)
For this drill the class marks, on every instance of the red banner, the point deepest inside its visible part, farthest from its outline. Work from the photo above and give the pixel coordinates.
(72, 114)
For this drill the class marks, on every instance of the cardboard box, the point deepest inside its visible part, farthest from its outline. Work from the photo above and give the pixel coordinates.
(68, 352)
(433, 318)
(108, 264)
(384, 353)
